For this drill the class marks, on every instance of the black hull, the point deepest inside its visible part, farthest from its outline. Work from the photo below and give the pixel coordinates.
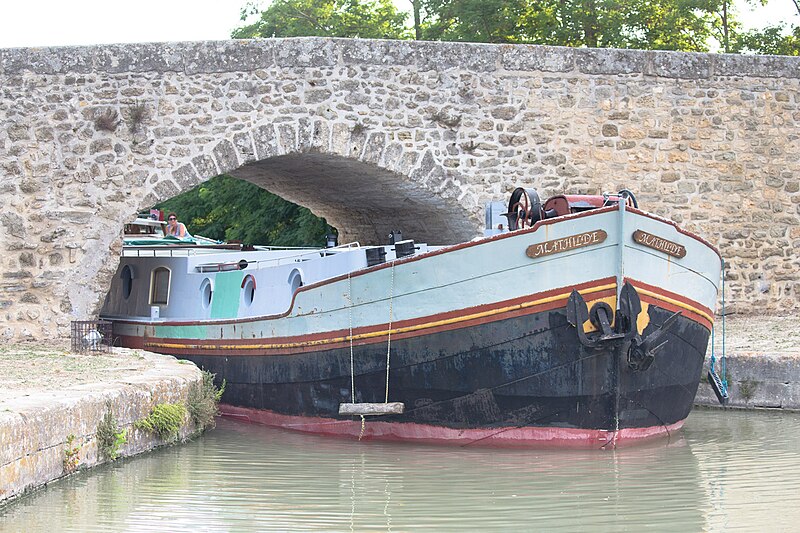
(528, 371)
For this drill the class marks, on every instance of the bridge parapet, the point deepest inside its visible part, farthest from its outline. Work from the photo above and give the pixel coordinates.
(204, 57)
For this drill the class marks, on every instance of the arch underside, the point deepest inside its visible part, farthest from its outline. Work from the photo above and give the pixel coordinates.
(363, 201)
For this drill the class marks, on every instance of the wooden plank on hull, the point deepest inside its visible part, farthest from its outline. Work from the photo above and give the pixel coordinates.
(366, 409)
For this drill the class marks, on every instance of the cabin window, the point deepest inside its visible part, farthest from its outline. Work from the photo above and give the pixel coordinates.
(295, 280)
(159, 286)
(206, 292)
(249, 290)
(127, 281)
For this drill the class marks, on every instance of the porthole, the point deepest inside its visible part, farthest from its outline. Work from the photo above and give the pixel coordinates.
(249, 290)
(295, 281)
(206, 292)
(127, 281)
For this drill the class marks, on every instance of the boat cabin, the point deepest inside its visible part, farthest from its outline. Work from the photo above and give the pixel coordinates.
(145, 227)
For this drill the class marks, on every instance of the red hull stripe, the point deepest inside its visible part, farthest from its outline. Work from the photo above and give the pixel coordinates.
(545, 301)
(511, 437)
(541, 302)
(674, 302)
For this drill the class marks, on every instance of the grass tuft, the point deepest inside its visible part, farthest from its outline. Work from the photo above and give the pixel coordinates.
(203, 401)
(165, 420)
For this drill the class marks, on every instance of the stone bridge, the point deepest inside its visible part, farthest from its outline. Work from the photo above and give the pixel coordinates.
(375, 135)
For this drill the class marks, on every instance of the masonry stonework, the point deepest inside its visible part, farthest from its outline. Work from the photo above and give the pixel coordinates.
(377, 135)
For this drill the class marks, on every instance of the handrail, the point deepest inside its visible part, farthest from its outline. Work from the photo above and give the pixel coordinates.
(275, 261)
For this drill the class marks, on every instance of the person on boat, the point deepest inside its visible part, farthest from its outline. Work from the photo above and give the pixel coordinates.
(175, 228)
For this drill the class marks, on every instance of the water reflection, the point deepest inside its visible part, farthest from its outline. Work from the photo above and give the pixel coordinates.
(726, 470)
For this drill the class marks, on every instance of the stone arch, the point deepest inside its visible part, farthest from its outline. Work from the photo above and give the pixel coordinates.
(363, 182)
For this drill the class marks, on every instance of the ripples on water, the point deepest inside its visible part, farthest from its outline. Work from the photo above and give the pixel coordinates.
(725, 470)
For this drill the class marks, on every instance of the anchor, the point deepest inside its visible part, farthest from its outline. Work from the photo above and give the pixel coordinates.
(640, 352)
(600, 316)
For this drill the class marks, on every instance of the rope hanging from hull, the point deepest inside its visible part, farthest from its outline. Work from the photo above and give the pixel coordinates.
(362, 409)
(350, 316)
(389, 341)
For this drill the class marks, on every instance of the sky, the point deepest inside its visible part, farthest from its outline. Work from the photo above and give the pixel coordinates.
(31, 23)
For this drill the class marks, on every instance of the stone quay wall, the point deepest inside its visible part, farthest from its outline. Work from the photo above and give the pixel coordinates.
(757, 380)
(35, 427)
(90, 135)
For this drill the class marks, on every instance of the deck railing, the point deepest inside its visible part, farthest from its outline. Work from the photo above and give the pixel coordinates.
(307, 254)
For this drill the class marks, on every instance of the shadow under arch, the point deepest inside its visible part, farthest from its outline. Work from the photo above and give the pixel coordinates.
(363, 201)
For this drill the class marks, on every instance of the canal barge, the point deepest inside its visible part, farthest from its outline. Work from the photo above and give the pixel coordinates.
(579, 322)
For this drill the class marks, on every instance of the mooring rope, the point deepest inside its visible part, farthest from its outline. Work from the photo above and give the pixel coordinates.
(722, 362)
(389, 341)
(350, 313)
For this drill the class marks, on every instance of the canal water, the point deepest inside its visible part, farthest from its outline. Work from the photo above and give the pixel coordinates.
(726, 470)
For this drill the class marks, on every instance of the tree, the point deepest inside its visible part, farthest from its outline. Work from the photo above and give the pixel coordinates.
(772, 40)
(230, 209)
(656, 25)
(485, 21)
(370, 19)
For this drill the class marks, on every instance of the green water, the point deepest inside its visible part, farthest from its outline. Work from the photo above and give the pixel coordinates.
(723, 471)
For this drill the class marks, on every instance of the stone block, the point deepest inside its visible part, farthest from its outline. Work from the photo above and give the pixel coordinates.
(228, 56)
(265, 141)
(610, 61)
(206, 167)
(377, 52)
(680, 65)
(442, 56)
(34, 429)
(538, 58)
(226, 156)
(757, 66)
(306, 52)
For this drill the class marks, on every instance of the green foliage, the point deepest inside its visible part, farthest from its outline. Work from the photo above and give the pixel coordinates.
(109, 436)
(203, 400)
(71, 455)
(229, 209)
(685, 25)
(484, 21)
(772, 40)
(165, 420)
(368, 19)
(659, 25)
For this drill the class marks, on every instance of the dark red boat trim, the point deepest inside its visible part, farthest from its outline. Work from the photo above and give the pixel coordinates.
(510, 437)
(692, 303)
(701, 314)
(213, 346)
(400, 324)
